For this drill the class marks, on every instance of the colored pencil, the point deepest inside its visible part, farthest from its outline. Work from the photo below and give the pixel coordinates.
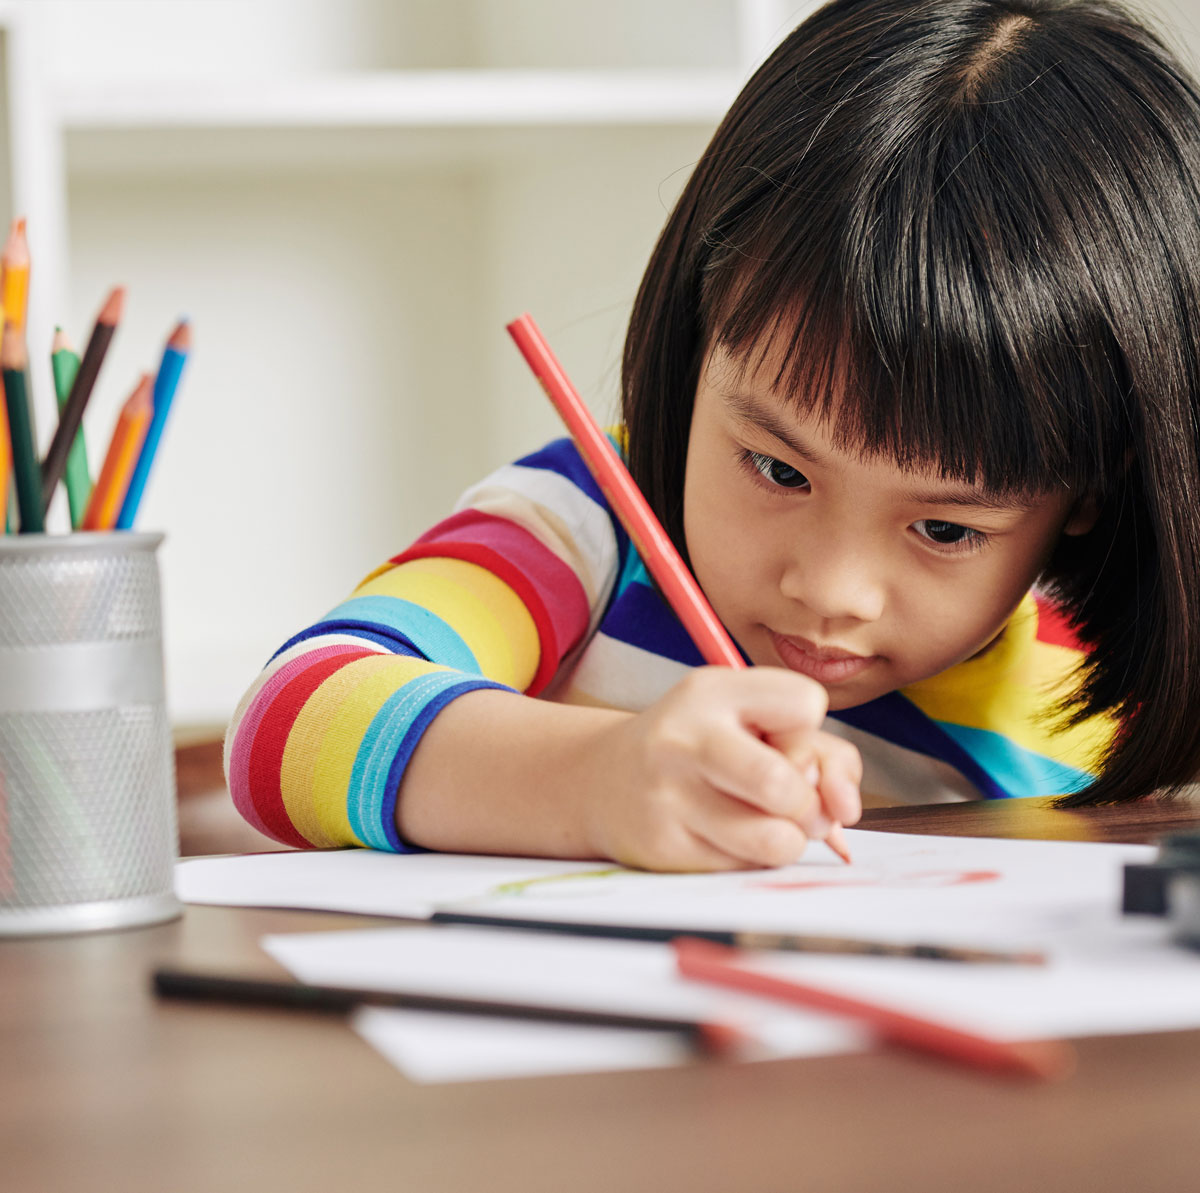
(14, 297)
(709, 1037)
(14, 276)
(14, 360)
(704, 961)
(653, 543)
(64, 363)
(5, 464)
(126, 442)
(85, 380)
(174, 357)
(787, 942)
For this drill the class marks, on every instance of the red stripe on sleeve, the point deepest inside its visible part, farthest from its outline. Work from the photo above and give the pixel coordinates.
(545, 585)
(266, 753)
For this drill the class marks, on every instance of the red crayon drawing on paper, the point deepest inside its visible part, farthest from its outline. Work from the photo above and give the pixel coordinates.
(923, 878)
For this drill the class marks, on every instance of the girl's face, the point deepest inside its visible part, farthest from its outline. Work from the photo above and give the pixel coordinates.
(854, 571)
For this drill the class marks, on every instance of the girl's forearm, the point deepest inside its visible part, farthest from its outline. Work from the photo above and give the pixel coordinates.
(498, 772)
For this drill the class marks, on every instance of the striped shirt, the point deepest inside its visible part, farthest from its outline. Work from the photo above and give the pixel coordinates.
(532, 585)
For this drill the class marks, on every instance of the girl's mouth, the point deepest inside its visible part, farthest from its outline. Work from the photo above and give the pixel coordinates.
(825, 664)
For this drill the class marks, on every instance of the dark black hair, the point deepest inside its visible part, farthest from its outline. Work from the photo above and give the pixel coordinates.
(974, 226)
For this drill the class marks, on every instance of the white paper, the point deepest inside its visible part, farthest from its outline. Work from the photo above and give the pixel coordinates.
(901, 887)
(364, 881)
(1106, 972)
(604, 975)
(428, 1047)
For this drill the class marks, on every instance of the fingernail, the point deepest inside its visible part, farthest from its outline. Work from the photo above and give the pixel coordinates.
(813, 774)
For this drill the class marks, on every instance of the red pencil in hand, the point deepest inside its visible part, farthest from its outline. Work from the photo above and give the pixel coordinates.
(653, 543)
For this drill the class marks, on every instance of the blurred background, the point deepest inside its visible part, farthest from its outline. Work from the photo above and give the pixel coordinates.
(349, 199)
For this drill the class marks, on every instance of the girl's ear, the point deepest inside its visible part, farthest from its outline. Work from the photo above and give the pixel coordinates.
(1083, 515)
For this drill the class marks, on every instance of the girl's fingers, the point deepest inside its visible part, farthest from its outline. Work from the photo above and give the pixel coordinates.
(833, 765)
(701, 856)
(764, 699)
(751, 837)
(737, 763)
(840, 765)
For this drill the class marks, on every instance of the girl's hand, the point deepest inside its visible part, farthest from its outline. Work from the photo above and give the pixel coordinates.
(729, 770)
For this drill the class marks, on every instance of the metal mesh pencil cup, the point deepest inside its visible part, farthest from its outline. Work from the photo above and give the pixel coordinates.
(87, 770)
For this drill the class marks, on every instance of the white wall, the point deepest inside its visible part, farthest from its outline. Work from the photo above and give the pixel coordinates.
(347, 285)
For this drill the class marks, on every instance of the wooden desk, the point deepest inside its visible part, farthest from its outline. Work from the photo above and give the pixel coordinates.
(102, 1088)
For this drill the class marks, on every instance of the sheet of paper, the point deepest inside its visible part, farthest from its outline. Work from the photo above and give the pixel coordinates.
(953, 890)
(430, 1048)
(363, 881)
(900, 887)
(605, 975)
(1107, 973)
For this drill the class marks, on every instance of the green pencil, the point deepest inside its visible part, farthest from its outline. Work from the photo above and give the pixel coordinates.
(64, 360)
(13, 361)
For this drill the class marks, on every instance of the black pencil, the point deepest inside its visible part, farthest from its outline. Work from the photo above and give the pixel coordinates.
(708, 1037)
(789, 942)
(81, 390)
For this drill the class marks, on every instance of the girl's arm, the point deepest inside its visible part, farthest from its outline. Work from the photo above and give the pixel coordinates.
(688, 784)
(371, 727)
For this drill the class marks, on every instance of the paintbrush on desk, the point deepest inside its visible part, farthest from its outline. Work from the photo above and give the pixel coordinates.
(788, 942)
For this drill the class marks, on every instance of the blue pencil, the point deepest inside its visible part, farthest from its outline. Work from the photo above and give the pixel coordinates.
(169, 371)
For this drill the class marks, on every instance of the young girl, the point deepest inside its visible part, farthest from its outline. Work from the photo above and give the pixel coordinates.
(920, 333)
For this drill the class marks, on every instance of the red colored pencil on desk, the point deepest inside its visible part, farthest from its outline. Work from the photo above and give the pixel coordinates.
(723, 966)
(653, 543)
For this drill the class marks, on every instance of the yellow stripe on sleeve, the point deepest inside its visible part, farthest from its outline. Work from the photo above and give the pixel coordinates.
(484, 611)
(324, 741)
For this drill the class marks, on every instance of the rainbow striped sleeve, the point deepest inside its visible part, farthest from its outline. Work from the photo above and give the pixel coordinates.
(496, 596)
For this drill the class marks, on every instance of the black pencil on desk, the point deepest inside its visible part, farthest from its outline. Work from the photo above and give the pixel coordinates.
(712, 1038)
(788, 942)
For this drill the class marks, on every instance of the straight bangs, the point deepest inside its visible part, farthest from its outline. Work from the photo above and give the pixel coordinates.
(925, 326)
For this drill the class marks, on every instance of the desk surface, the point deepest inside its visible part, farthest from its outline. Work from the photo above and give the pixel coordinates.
(103, 1088)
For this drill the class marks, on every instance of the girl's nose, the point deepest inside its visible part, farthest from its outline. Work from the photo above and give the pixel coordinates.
(835, 583)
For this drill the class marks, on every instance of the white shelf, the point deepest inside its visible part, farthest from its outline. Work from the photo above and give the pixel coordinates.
(409, 99)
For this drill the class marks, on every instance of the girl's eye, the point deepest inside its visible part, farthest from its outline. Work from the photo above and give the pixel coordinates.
(779, 474)
(950, 534)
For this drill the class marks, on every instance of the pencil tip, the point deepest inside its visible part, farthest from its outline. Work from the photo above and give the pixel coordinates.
(837, 842)
(181, 337)
(113, 307)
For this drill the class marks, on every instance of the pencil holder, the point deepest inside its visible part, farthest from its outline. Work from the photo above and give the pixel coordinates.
(87, 769)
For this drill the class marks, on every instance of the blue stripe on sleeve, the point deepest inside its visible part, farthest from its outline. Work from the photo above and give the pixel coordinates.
(426, 631)
(562, 456)
(387, 747)
(394, 641)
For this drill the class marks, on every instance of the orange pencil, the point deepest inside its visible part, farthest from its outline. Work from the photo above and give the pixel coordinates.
(651, 540)
(722, 966)
(14, 276)
(130, 432)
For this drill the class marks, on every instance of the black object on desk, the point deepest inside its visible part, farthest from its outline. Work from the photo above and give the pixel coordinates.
(1147, 884)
